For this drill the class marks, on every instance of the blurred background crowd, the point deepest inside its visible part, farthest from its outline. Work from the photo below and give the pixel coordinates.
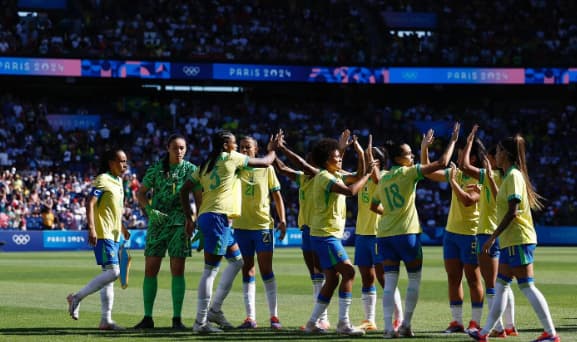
(368, 32)
(46, 170)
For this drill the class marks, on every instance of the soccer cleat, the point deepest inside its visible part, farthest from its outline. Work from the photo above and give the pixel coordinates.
(390, 334)
(367, 325)
(218, 318)
(313, 328)
(275, 323)
(546, 337)
(511, 331)
(109, 326)
(454, 327)
(177, 324)
(405, 331)
(500, 334)
(476, 335)
(73, 306)
(345, 328)
(248, 324)
(396, 324)
(205, 328)
(472, 326)
(146, 323)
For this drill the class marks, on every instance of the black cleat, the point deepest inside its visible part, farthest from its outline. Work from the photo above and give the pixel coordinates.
(146, 323)
(177, 324)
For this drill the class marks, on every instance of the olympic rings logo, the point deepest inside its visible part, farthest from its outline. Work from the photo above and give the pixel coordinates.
(21, 239)
(191, 70)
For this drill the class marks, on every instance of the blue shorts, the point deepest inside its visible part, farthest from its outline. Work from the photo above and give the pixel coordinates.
(462, 247)
(494, 252)
(106, 252)
(366, 250)
(306, 239)
(330, 251)
(251, 241)
(217, 233)
(406, 248)
(516, 256)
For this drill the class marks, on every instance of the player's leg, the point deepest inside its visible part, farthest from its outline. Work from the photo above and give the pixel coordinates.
(264, 252)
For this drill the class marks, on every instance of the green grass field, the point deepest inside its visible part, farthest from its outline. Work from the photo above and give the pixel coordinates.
(33, 288)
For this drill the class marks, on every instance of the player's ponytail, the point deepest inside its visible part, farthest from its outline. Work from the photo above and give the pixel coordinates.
(514, 147)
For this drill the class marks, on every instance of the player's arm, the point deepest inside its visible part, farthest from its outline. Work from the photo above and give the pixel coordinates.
(90, 208)
(142, 199)
(271, 147)
(297, 160)
(361, 167)
(437, 174)
(285, 170)
(280, 211)
(490, 177)
(505, 222)
(185, 191)
(370, 161)
(468, 168)
(441, 163)
(376, 207)
(468, 196)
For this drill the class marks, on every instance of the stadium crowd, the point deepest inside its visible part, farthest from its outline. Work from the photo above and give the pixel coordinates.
(372, 32)
(46, 172)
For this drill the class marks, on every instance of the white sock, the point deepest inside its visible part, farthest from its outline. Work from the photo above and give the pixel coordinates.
(107, 275)
(398, 304)
(497, 307)
(457, 313)
(249, 294)
(318, 282)
(270, 288)
(318, 309)
(539, 304)
(412, 296)
(476, 313)
(106, 302)
(391, 280)
(344, 306)
(490, 297)
(205, 293)
(509, 314)
(369, 299)
(226, 281)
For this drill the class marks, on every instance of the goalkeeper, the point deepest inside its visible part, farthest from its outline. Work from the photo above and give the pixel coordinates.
(165, 228)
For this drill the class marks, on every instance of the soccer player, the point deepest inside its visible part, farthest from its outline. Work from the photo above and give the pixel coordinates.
(365, 243)
(399, 229)
(253, 233)
(459, 240)
(518, 239)
(212, 185)
(490, 181)
(104, 215)
(304, 179)
(165, 228)
(327, 227)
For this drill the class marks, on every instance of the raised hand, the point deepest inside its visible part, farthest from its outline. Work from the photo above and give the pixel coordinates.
(471, 136)
(428, 138)
(456, 129)
(345, 140)
(357, 145)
